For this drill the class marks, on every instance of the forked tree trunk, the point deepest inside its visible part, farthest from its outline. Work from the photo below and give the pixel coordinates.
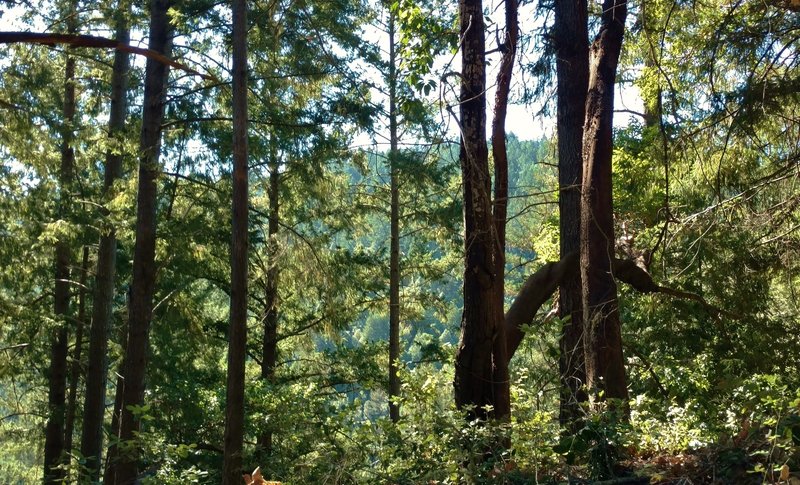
(481, 374)
(102, 306)
(237, 346)
(57, 373)
(394, 227)
(124, 469)
(571, 39)
(605, 368)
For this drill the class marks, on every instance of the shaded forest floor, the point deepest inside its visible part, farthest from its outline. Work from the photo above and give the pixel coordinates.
(744, 464)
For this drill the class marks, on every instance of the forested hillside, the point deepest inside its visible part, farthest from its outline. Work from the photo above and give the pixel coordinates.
(407, 241)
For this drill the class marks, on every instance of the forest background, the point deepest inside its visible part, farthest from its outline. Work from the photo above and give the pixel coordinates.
(329, 324)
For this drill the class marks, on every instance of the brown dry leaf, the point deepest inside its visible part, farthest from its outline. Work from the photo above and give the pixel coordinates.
(784, 472)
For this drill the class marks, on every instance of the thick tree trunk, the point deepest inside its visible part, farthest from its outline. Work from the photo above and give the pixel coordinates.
(102, 306)
(237, 347)
(142, 287)
(269, 353)
(77, 351)
(481, 375)
(394, 223)
(57, 374)
(605, 368)
(571, 39)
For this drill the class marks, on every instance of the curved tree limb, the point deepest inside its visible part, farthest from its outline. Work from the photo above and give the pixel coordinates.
(95, 42)
(541, 285)
(629, 272)
(538, 288)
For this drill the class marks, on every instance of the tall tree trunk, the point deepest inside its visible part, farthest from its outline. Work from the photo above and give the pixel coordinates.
(237, 347)
(605, 368)
(75, 369)
(571, 39)
(394, 224)
(499, 153)
(102, 306)
(481, 376)
(57, 374)
(269, 351)
(141, 300)
(500, 204)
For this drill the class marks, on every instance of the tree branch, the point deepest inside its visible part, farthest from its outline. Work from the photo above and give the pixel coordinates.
(541, 285)
(95, 42)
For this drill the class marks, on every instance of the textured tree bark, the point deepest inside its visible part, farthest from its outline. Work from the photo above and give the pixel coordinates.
(605, 368)
(571, 39)
(77, 351)
(140, 309)
(481, 374)
(394, 225)
(269, 352)
(57, 373)
(237, 346)
(102, 306)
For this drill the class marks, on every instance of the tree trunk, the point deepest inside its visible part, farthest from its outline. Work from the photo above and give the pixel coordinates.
(605, 368)
(142, 287)
(57, 374)
(571, 39)
(102, 306)
(116, 415)
(75, 369)
(500, 204)
(269, 354)
(394, 224)
(237, 347)
(481, 375)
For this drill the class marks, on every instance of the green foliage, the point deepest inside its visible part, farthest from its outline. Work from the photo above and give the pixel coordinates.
(705, 198)
(598, 443)
(427, 30)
